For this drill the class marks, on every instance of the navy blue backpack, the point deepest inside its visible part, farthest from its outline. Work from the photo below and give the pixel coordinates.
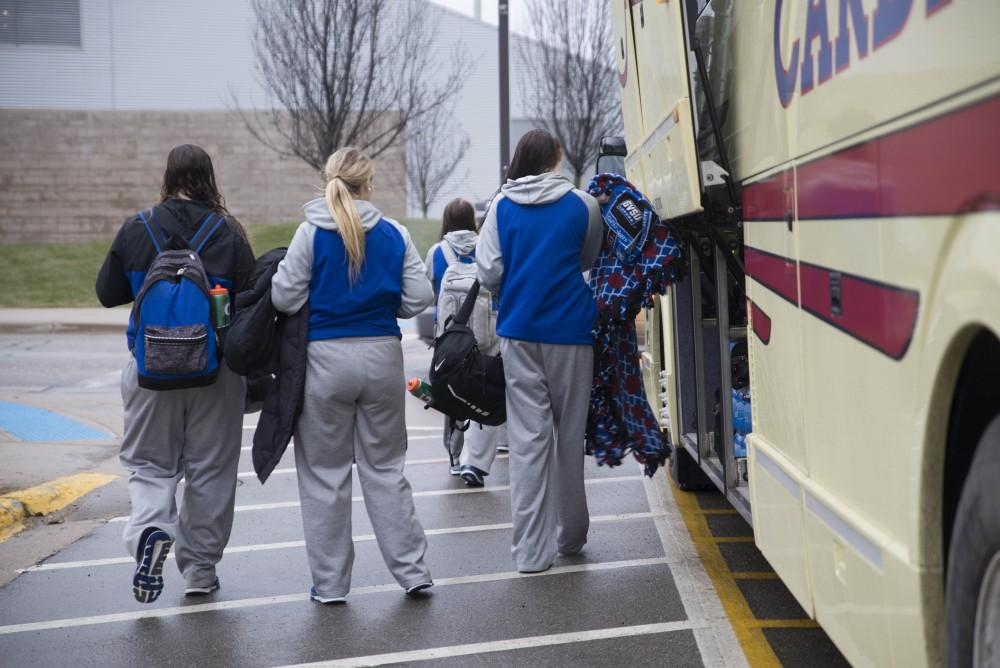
(175, 344)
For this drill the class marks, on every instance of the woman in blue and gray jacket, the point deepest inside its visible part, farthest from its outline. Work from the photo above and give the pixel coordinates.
(358, 271)
(538, 238)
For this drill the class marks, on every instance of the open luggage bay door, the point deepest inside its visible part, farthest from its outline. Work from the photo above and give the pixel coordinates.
(656, 104)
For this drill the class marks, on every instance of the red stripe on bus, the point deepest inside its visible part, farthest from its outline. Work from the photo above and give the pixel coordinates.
(880, 315)
(943, 166)
(774, 272)
(761, 323)
(769, 199)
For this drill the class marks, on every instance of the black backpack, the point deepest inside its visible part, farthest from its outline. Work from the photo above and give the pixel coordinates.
(465, 383)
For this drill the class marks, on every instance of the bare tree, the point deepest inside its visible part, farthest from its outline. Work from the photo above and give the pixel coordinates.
(571, 84)
(433, 150)
(343, 72)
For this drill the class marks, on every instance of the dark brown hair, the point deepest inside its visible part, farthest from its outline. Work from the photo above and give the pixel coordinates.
(537, 152)
(458, 215)
(189, 172)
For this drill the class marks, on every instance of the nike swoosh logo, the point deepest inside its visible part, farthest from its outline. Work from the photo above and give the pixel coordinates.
(439, 365)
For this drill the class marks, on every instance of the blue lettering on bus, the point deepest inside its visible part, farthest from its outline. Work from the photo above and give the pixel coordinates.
(816, 27)
(886, 23)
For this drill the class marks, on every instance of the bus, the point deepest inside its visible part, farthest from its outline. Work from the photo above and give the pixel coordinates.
(831, 360)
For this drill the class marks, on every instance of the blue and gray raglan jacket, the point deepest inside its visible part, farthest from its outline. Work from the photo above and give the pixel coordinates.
(539, 236)
(391, 284)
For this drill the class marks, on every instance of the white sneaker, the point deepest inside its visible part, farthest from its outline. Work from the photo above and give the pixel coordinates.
(325, 599)
(202, 591)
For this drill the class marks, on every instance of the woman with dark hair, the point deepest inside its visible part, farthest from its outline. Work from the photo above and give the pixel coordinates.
(458, 244)
(539, 236)
(194, 432)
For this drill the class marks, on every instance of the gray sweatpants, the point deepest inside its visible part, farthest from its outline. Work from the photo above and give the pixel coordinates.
(354, 412)
(548, 395)
(194, 433)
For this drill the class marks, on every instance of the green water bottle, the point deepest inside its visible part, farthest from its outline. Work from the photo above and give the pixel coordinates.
(219, 300)
(421, 389)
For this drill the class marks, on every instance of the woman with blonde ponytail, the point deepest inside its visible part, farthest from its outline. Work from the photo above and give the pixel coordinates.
(357, 271)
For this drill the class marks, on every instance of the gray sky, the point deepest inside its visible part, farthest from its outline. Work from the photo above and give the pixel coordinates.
(517, 11)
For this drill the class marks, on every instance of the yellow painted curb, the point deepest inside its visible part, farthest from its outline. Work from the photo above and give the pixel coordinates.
(45, 499)
(747, 628)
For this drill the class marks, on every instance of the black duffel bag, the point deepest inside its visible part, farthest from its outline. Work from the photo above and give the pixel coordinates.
(465, 383)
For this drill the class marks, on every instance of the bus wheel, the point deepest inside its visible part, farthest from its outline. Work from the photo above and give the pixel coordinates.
(972, 585)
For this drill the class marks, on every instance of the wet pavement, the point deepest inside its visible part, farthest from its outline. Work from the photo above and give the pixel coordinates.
(638, 595)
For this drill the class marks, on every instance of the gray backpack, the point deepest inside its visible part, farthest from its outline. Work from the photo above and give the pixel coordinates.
(456, 282)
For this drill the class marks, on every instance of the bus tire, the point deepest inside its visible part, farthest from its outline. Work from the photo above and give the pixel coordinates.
(972, 583)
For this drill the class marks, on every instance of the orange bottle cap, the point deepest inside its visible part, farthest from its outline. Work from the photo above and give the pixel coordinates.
(412, 384)
(218, 290)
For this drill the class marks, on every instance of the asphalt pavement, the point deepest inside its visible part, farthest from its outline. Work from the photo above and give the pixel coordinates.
(641, 593)
(636, 595)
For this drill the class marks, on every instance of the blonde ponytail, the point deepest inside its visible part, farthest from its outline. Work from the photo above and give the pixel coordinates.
(348, 171)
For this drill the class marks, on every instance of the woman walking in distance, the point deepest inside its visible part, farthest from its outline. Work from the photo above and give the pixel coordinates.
(358, 271)
(190, 425)
(539, 236)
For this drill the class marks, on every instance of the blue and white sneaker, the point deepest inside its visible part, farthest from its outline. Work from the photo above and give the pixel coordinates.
(154, 546)
(472, 476)
(326, 600)
(455, 470)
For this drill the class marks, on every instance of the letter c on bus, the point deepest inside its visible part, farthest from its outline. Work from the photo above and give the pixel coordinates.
(785, 78)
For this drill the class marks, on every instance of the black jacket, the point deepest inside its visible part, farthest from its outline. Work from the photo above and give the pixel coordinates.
(251, 342)
(227, 257)
(271, 347)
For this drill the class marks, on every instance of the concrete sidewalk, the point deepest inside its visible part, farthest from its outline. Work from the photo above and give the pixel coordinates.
(48, 320)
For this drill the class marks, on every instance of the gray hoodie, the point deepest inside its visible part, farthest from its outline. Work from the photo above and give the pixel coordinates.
(533, 190)
(290, 285)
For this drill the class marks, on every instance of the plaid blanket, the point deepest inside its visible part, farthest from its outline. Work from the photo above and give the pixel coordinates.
(639, 259)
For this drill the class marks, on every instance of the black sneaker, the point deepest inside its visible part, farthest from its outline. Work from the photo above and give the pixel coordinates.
(472, 476)
(418, 588)
(154, 546)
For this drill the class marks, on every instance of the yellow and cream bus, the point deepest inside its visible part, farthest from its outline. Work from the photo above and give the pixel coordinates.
(834, 167)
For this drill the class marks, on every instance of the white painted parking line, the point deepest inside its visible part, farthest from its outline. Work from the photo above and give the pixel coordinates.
(440, 429)
(292, 544)
(433, 492)
(510, 645)
(717, 643)
(409, 462)
(292, 598)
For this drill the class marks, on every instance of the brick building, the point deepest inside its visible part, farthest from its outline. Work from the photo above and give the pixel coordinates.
(94, 93)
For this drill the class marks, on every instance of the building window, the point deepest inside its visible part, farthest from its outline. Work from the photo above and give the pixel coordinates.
(40, 22)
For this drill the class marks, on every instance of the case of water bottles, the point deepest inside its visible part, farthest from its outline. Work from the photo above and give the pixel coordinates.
(742, 424)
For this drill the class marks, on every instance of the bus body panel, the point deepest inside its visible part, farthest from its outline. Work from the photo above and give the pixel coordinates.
(870, 266)
(665, 141)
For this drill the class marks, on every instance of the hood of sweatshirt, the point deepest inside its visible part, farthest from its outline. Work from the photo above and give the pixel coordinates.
(537, 189)
(318, 214)
(462, 242)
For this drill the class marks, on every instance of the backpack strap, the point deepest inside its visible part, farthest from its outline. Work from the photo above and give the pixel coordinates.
(464, 313)
(149, 224)
(209, 220)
